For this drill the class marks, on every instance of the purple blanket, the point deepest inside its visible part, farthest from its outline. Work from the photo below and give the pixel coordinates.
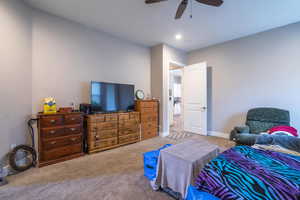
(246, 173)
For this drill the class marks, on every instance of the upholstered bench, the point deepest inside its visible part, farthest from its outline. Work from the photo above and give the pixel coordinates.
(180, 164)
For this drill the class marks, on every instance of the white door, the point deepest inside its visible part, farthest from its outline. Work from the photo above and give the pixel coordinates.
(195, 98)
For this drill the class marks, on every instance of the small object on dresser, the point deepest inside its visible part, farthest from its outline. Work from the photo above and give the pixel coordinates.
(85, 108)
(49, 105)
(65, 110)
(139, 94)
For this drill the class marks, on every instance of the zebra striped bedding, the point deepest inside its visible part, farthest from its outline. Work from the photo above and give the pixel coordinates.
(246, 173)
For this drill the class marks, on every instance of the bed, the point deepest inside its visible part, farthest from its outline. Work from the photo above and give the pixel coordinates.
(243, 172)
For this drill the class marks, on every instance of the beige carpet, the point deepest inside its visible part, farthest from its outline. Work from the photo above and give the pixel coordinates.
(111, 175)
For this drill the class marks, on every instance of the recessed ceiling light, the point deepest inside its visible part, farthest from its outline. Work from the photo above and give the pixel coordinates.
(178, 36)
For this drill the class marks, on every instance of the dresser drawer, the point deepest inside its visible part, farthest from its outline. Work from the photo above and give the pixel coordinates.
(103, 143)
(61, 152)
(130, 129)
(61, 142)
(50, 121)
(111, 117)
(130, 124)
(149, 110)
(73, 119)
(150, 104)
(52, 132)
(73, 129)
(128, 132)
(149, 133)
(128, 138)
(106, 126)
(105, 134)
(124, 116)
(148, 125)
(135, 116)
(149, 118)
(95, 118)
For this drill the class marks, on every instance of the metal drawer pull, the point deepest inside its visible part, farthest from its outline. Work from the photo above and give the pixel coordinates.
(52, 121)
(52, 132)
(72, 119)
(54, 142)
(73, 129)
(73, 139)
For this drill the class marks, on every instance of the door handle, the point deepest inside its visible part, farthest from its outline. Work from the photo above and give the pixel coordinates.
(203, 108)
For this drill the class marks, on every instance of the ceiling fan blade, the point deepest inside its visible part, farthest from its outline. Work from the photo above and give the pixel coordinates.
(216, 3)
(181, 9)
(153, 1)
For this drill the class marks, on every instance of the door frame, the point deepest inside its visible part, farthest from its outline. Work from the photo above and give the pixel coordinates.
(165, 99)
(181, 67)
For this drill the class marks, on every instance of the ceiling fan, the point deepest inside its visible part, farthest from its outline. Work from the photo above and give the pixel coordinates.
(184, 3)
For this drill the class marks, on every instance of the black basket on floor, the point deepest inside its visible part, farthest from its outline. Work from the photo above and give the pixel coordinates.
(3, 181)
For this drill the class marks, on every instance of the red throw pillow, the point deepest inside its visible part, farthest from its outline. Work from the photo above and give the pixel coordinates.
(284, 129)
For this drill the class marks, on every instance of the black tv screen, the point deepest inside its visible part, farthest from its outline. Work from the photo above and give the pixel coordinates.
(111, 97)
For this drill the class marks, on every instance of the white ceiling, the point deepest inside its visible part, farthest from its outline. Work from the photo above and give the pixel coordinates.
(153, 24)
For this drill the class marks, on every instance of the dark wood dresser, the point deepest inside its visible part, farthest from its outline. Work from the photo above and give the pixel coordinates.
(149, 110)
(107, 131)
(60, 137)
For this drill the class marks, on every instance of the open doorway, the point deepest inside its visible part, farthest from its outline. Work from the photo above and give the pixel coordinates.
(187, 100)
(175, 99)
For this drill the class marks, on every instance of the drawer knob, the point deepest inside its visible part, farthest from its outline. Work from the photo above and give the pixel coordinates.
(73, 129)
(52, 132)
(52, 121)
(73, 119)
(52, 143)
(73, 139)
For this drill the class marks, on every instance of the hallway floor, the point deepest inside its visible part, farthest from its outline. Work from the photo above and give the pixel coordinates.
(176, 130)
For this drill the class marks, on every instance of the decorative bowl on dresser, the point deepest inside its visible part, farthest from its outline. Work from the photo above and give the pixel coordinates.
(149, 110)
(60, 137)
(107, 131)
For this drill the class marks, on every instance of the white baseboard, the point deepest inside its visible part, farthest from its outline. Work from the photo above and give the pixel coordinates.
(218, 134)
(164, 134)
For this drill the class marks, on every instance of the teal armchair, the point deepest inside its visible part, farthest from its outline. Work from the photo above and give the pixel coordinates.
(259, 120)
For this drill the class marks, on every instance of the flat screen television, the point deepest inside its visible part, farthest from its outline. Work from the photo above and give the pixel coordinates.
(111, 97)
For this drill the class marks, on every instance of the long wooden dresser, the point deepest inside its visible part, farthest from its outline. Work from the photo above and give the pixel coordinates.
(60, 137)
(149, 110)
(107, 131)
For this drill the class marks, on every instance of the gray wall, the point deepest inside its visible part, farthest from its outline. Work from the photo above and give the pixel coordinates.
(42, 55)
(259, 70)
(157, 77)
(67, 56)
(15, 71)
(161, 57)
